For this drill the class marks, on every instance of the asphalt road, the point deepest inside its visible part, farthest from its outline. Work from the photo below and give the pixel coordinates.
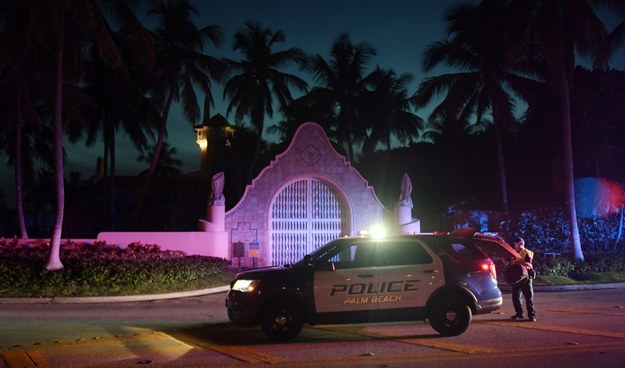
(578, 329)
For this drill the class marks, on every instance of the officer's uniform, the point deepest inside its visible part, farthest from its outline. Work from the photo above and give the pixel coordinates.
(525, 287)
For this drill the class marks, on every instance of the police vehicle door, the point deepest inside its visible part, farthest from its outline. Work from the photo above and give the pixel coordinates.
(408, 274)
(345, 279)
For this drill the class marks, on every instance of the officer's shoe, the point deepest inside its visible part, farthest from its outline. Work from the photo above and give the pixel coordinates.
(532, 319)
(517, 316)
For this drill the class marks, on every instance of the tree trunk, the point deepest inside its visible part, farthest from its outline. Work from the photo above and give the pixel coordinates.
(114, 223)
(54, 260)
(19, 180)
(253, 161)
(147, 187)
(350, 143)
(620, 227)
(569, 176)
(260, 126)
(258, 120)
(501, 162)
(503, 182)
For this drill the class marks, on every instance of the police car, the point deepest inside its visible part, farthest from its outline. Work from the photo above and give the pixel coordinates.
(442, 278)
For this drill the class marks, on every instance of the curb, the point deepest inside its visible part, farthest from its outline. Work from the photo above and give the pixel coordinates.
(223, 289)
(115, 299)
(555, 288)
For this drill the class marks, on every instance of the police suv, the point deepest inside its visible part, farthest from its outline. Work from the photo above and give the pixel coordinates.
(444, 278)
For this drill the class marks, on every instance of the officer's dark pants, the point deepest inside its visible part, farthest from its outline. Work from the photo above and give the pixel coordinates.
(524, 287)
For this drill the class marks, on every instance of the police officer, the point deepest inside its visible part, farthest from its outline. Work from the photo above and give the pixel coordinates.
(525, 286)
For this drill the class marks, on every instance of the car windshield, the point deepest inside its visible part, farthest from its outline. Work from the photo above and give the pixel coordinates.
(321, 252)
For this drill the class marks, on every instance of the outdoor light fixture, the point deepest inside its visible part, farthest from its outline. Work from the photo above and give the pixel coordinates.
(203, 143)
(201, 132)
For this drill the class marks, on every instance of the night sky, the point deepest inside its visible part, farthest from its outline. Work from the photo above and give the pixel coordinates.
(399, 30)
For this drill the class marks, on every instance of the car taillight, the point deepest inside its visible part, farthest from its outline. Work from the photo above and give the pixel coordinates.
(490, 267)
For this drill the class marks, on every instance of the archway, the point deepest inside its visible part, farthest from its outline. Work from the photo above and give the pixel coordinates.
(304, 215)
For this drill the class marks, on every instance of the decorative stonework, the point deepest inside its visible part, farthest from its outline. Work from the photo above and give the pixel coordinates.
(244, 233)
(309, 156)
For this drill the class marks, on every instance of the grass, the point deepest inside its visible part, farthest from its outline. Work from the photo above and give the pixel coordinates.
(590, 278)
(555, 280)
(101, 270)
(72, 289)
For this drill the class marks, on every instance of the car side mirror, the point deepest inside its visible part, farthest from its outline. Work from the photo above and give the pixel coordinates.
(309, 260)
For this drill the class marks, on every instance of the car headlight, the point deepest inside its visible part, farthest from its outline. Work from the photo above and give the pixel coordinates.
(246, 286)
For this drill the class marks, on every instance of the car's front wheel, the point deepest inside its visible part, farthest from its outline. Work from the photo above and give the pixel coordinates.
(281, 321)
(450, 318)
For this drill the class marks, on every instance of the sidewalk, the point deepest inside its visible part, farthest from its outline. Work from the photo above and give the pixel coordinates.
(223, 289)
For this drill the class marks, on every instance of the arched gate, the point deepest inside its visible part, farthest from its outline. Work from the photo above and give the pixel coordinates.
(304, 215)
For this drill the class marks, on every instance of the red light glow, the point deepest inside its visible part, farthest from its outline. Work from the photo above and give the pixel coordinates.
(490, 267)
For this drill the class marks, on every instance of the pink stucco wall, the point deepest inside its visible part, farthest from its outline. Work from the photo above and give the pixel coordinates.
(191, 242)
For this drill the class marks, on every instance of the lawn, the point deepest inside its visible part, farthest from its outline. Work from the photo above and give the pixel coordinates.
(102, 270)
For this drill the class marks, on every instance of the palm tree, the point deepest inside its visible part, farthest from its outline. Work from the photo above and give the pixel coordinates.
(180, 66)
(120, 106)
(258, 78)
(482, 86)
(77, 203)
(616, 38)
(17, 82)
(39, 196)
(555, 31)
(2, 201)
(167, 163)
(387, 107)
(308, 107)
(62, 30)
(342, 81)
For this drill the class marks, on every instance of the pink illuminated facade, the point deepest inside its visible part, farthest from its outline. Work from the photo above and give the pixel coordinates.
(307, 196)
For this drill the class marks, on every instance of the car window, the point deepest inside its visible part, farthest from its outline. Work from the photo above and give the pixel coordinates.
(461, 251)
(401, 253)
(349, 255)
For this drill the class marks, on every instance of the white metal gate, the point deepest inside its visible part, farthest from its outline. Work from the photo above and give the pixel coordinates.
(305, 215)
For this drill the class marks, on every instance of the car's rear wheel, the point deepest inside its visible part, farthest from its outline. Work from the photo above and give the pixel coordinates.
(450, 318)
(281, 321)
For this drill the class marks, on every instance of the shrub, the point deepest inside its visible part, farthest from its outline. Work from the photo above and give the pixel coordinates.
(582, 271)
(547, 230)
(99, 269)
